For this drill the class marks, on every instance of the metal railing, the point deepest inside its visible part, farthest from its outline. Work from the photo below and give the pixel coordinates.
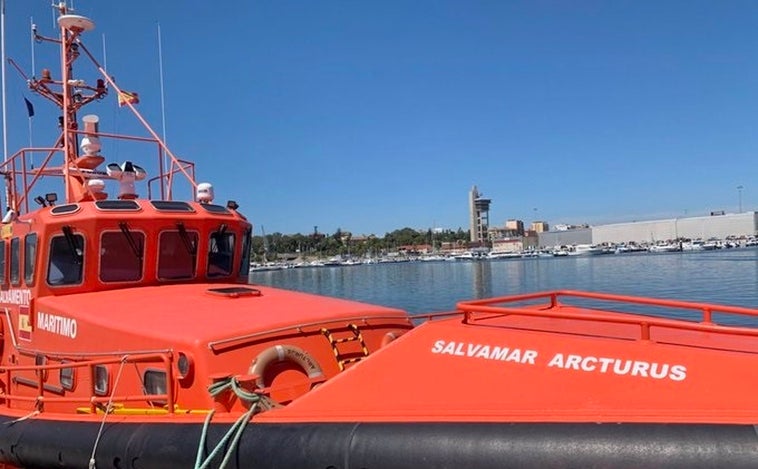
(554, 308)
(46, 393)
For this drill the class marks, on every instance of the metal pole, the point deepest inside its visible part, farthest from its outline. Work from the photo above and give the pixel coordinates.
(2, 67)
(739, 196)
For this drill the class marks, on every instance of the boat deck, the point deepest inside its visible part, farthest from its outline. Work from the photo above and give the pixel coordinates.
(550, 361)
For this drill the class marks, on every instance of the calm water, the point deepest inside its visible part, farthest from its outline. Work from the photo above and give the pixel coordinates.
(727, 277)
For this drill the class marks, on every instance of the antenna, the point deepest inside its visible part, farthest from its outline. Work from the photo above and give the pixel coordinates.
(33, 37)
(163, 110)
(160, 67)
(2, 56)
(105, 55)
(33, 34)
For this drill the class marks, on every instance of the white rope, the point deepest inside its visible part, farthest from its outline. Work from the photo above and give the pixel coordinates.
(106, 412)
(31, 414)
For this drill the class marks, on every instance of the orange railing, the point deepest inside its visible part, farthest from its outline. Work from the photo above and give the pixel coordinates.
(22, 176)
(552, 309)
(425, 317)
(46, 393)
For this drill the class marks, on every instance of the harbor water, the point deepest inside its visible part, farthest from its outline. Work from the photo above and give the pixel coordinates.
(727, 276)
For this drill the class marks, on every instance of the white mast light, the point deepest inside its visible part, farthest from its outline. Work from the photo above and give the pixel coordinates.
(204, 193)
(90, 143)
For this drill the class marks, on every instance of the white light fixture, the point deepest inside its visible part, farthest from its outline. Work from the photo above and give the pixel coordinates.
(204, 193)
(126, 174)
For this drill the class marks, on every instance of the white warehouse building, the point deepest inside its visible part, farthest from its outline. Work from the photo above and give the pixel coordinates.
(715, 226)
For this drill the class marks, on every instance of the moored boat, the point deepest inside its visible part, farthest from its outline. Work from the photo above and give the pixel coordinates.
(504, 255)
(665, 247)
(585, 250)
(131, 339)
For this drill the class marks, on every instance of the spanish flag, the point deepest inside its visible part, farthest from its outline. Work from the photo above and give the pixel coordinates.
(127, 97)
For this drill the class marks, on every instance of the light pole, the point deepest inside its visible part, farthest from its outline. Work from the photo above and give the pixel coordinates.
(739, 196)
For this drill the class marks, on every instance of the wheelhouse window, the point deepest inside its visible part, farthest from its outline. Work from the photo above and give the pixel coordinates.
(177, 255)
(15, 261)
(220, 253)
(66, 263)
(121, 255)
(3, 274)
(245, 261)
(30, 257)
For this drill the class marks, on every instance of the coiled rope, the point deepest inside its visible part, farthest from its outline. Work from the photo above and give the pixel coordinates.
(237, 428)
(232, 384)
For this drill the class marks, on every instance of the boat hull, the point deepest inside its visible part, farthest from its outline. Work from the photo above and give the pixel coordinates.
(42, 444)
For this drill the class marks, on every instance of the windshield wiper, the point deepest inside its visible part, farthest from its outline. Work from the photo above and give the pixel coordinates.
(218, 240)
(191, 248)
(76, 253)
(136, 249)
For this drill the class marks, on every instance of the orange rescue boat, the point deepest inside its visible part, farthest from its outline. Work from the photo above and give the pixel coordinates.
(130, 338)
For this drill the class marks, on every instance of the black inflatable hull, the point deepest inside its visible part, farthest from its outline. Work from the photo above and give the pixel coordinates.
(42, 444)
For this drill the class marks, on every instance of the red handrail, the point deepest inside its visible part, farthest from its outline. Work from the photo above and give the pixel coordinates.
(499, 306)
(45, 396)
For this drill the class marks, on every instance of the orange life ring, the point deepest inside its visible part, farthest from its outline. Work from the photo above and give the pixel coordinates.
(283, 353)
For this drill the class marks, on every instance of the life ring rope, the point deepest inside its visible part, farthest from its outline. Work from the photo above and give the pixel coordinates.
(284, 353)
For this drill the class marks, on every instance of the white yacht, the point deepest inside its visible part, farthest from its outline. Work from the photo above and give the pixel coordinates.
(585, 250)
(665, 247)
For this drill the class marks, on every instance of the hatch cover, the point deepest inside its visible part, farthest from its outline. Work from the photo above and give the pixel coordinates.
(234, 292)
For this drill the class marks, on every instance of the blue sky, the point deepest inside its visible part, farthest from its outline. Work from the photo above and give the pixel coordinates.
(374, 115)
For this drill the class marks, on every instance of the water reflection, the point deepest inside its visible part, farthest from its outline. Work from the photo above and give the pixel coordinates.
(727, 277)
(482, 280)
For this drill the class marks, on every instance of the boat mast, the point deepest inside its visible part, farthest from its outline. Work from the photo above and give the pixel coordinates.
(68, 55)
(69, 94)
